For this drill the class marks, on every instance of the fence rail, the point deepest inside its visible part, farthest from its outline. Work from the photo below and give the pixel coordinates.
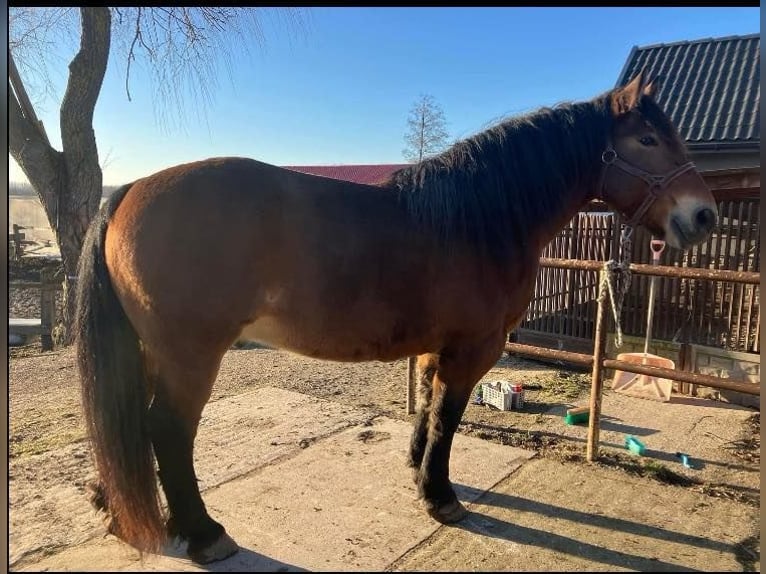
(719, 313)
(598, 361)
(48, 285)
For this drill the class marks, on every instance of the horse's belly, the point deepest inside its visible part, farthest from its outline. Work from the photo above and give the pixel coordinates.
(335, 344)
(266, 330)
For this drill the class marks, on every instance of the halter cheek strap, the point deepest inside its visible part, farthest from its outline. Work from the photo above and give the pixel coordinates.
(657, 183)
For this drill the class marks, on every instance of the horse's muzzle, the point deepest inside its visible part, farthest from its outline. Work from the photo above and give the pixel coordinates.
(696, 229)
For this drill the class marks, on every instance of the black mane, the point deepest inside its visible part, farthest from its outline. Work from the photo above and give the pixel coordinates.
(494, 188)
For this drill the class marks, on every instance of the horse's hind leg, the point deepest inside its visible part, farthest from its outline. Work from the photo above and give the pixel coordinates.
(181, 393)
(424, 375)
(458, 371)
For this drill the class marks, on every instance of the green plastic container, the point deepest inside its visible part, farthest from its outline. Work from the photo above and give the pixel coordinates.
(577, 416)
(634, 445)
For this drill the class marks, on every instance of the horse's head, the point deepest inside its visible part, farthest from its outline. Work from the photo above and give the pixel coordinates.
(647, 174)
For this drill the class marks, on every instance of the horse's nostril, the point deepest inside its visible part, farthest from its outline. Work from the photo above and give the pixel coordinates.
(706, 218)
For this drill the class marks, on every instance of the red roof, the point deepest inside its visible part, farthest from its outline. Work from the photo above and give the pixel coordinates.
(369, 174)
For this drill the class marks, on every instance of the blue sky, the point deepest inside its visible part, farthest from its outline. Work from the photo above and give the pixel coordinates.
(338, 88)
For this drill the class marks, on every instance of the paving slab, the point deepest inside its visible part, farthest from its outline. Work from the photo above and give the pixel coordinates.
(305, 484)
(237, 435)
(556, 517)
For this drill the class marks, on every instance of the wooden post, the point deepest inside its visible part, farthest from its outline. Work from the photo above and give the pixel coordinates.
(411, 368)
(18, 244)
(569, 276)
(597, 376)
(685, 364)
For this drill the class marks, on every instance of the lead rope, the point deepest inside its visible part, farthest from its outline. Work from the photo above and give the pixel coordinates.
(611, 269)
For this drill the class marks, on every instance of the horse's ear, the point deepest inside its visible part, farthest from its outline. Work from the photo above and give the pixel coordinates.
(650, 89)
(626, 98)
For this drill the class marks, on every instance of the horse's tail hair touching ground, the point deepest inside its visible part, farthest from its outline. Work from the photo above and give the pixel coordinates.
(115, 396)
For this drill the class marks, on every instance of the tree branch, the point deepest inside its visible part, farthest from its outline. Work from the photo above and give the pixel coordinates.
(37, 159)
(131, 55)
(86, 73)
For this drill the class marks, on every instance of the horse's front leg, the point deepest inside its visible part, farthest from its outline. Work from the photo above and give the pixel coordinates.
(459, 368)
(424, 376)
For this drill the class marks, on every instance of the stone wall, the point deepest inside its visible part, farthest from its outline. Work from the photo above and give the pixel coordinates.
(728, 365)
(699, 359)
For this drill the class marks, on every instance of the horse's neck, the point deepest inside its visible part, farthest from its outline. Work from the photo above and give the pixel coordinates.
(573, 186)
(577, 199)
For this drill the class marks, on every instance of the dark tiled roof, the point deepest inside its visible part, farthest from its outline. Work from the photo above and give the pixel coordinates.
(369, 174)
(710, 88)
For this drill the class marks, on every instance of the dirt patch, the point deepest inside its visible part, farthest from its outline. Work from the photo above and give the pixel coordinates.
(748, 554)
(373, 436)
(43, 401)
(748, 447)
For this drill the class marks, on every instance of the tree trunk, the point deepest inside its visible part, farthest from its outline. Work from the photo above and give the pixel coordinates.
(421, 143)
(68, 183)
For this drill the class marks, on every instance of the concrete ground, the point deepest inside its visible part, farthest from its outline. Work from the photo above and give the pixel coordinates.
(308, 484)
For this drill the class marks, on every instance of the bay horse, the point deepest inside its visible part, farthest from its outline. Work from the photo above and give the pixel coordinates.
(439, 262)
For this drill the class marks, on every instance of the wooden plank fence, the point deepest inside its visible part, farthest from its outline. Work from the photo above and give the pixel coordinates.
(563, 301)
(719, 314)
(48, 285)
(712, 313)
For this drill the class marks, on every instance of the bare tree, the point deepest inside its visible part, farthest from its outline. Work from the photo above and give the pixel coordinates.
(426, 132)
(179, 44)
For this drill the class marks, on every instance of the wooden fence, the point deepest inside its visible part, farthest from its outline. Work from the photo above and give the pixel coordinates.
(720, 314)
(712, 313)
(564, 300)
(49, 284)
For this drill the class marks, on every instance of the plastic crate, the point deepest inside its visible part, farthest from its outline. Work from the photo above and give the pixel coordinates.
(497, 394)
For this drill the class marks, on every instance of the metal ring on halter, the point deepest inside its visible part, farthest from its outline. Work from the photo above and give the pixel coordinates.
(608, 156)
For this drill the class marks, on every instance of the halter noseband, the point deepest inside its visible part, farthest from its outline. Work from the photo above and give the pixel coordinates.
(657, 183)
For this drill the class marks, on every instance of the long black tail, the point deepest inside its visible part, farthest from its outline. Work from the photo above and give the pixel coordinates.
(115, 395)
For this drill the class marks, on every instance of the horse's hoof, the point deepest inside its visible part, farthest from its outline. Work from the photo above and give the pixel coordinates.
(218, 550)
(447, 513)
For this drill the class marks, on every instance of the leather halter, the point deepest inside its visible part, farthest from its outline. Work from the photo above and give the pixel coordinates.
(657, 183)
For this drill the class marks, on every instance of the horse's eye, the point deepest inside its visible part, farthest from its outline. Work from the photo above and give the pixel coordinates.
(648, 140)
